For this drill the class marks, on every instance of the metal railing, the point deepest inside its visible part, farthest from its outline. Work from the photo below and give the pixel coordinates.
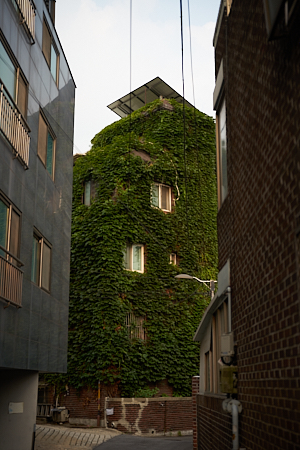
(11, 279)
(13, 126)
(44, 410)
(27, 11)
(135, 326)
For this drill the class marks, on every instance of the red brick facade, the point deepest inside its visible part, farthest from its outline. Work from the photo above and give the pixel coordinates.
(161, 415)
(195, 391)
(258, 231)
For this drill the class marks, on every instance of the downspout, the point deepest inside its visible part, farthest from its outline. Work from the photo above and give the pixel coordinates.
(235, 427)
(234, 407)
(229, 308)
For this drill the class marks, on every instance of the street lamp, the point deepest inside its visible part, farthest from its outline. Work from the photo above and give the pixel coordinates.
(211, 286)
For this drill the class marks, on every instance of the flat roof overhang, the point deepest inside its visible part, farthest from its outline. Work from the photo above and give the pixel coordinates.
(145, 94)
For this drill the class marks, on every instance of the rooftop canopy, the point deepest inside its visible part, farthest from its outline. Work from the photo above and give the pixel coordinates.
(145, 94)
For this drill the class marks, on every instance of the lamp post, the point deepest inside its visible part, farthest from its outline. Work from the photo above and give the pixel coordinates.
(211, 286)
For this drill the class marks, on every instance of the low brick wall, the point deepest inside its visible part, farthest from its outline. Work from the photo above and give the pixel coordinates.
(158, 416)
(195, 392)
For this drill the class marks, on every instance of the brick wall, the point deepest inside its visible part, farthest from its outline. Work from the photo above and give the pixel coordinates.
(214, 425)
(161, 415)
(195, 391)
(257, 231)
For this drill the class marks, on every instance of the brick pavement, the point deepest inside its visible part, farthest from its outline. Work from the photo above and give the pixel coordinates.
(56, 437)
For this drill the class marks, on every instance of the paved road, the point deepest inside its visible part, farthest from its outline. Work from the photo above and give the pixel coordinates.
(56, 437)
(126, 442)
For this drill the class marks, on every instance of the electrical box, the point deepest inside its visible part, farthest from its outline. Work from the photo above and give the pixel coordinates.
(229, 379)
(227, 344)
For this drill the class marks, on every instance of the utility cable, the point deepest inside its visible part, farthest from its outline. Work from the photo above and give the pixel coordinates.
(184, 125)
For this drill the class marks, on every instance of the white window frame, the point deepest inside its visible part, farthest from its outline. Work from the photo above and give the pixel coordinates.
(160, 186)
(129, 249)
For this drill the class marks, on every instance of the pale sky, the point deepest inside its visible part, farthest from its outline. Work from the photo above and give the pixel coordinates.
(95, 35)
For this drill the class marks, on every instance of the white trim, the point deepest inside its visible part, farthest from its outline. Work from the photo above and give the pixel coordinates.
(160, 185)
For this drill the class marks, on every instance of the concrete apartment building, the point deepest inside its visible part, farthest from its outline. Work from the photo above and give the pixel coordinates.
(252, 323)
(36, 130)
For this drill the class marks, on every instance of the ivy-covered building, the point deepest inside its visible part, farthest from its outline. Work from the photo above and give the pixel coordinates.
(144, 210)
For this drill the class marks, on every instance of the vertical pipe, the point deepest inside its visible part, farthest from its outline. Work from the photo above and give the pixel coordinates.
(235, 427)
(229, 309)
(98, 414)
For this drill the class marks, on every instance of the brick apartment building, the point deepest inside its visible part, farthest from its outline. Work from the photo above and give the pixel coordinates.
(256, 98)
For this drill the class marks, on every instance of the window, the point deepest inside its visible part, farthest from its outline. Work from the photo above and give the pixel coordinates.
(89, 192)
(41, 261)
(222, 153)
(51, 8)
(50, 51)
(161, 196)
(10, 224)
(173, 259)
(46, 145)
(212, 357)
(13, 79)
(135, 327)
(134, 258)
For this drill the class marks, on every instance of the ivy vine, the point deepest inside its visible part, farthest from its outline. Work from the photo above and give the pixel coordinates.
(102, 293)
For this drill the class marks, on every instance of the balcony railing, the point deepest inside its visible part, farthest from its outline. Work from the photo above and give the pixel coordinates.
(13, 126)
(11, 278)
(27, 11)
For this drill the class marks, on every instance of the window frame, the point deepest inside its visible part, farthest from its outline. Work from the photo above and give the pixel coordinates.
(160, 186)
(87, 199)
(52, 135)
(173, 258)
(18, 75)
(9, 255)
(219, 326)
(222, 164)
(42, 242)
(129, 248)
(135, 326)
(47, 52)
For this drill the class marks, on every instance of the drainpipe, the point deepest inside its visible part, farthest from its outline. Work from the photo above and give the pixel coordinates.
(234, 407)
(229, 309)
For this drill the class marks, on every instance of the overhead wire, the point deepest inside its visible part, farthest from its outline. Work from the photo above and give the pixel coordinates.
(184, 124)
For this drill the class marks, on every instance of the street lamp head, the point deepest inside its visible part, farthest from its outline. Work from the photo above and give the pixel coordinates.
(184, 276)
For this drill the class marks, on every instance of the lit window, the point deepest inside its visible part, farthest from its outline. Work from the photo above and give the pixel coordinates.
(13, 80)
(41, 261)
(134, 258)
(135, 327)
(161, 196)
(50, 51)
(46, 145)
(222, 153)
(10, 219)
(173, 258)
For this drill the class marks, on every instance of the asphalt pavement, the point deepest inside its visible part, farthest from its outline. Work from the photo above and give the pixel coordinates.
(62, 437)
(128, 442)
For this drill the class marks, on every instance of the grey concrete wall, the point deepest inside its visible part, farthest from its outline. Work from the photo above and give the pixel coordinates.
(35, 336)
(18, 388)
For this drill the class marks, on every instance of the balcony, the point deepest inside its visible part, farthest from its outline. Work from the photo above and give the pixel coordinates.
(13, 127)
(11, 278)
(27, 12)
